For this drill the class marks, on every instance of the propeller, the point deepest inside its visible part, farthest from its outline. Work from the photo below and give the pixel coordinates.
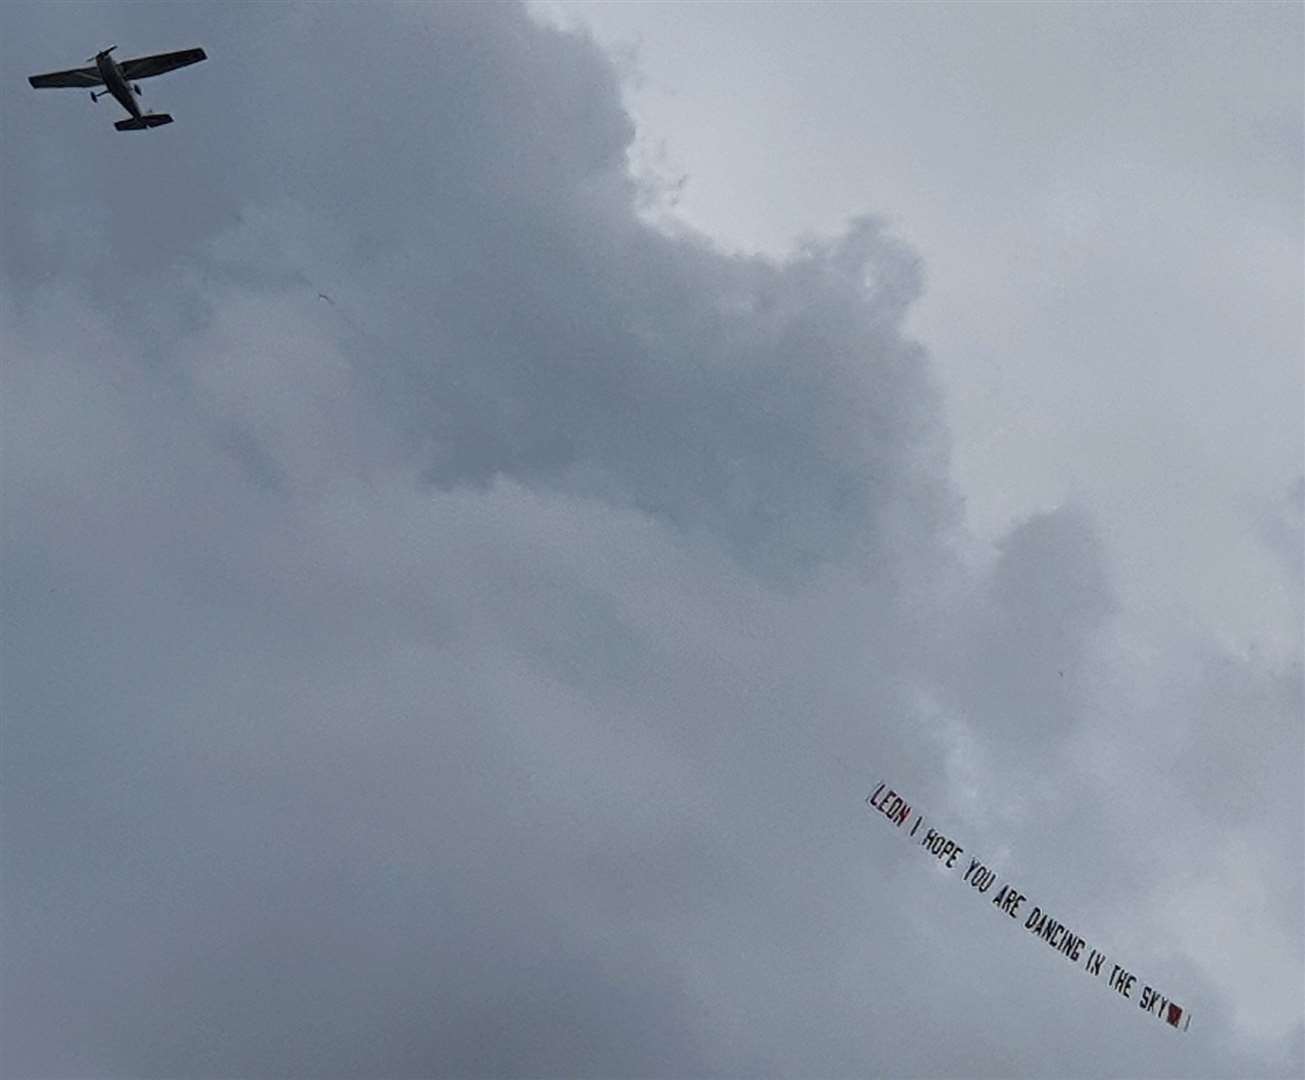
(102, 53)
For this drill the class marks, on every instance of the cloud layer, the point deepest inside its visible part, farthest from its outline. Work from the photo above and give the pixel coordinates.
(479, 671)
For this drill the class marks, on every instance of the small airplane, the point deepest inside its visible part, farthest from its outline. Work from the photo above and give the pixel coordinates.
(120, 81)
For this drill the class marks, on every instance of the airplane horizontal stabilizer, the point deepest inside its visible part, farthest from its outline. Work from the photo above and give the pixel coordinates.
(138, 123)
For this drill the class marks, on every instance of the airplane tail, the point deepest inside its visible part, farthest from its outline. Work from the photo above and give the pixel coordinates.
(139, 123)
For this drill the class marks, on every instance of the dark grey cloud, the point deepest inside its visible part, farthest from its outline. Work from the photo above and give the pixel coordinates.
(480, 673)
(1036, 617)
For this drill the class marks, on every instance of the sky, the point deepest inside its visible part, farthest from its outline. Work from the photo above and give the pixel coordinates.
(490, 491)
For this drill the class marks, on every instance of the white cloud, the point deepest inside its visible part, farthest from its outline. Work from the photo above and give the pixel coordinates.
(481, 671)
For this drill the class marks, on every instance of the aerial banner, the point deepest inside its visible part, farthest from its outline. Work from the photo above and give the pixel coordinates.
(893, 807)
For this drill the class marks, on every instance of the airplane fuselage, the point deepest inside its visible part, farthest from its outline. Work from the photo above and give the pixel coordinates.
(116, 83)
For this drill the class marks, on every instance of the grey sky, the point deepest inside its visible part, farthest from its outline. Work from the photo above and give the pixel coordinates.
(481, 673)
(1107, 201)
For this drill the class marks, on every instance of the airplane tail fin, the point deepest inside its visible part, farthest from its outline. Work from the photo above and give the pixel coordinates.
(139, 123)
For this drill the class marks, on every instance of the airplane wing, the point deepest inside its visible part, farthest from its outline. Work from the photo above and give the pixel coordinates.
(145, 66)
(87, 76)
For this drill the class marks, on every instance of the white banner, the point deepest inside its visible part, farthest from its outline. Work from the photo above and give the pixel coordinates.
(895, 809)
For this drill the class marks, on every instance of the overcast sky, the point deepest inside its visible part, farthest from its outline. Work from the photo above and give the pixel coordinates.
(711, 412)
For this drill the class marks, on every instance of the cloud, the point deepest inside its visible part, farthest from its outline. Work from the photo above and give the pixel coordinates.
(480, 674)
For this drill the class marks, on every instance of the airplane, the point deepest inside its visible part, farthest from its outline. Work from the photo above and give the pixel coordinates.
(120, 81)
